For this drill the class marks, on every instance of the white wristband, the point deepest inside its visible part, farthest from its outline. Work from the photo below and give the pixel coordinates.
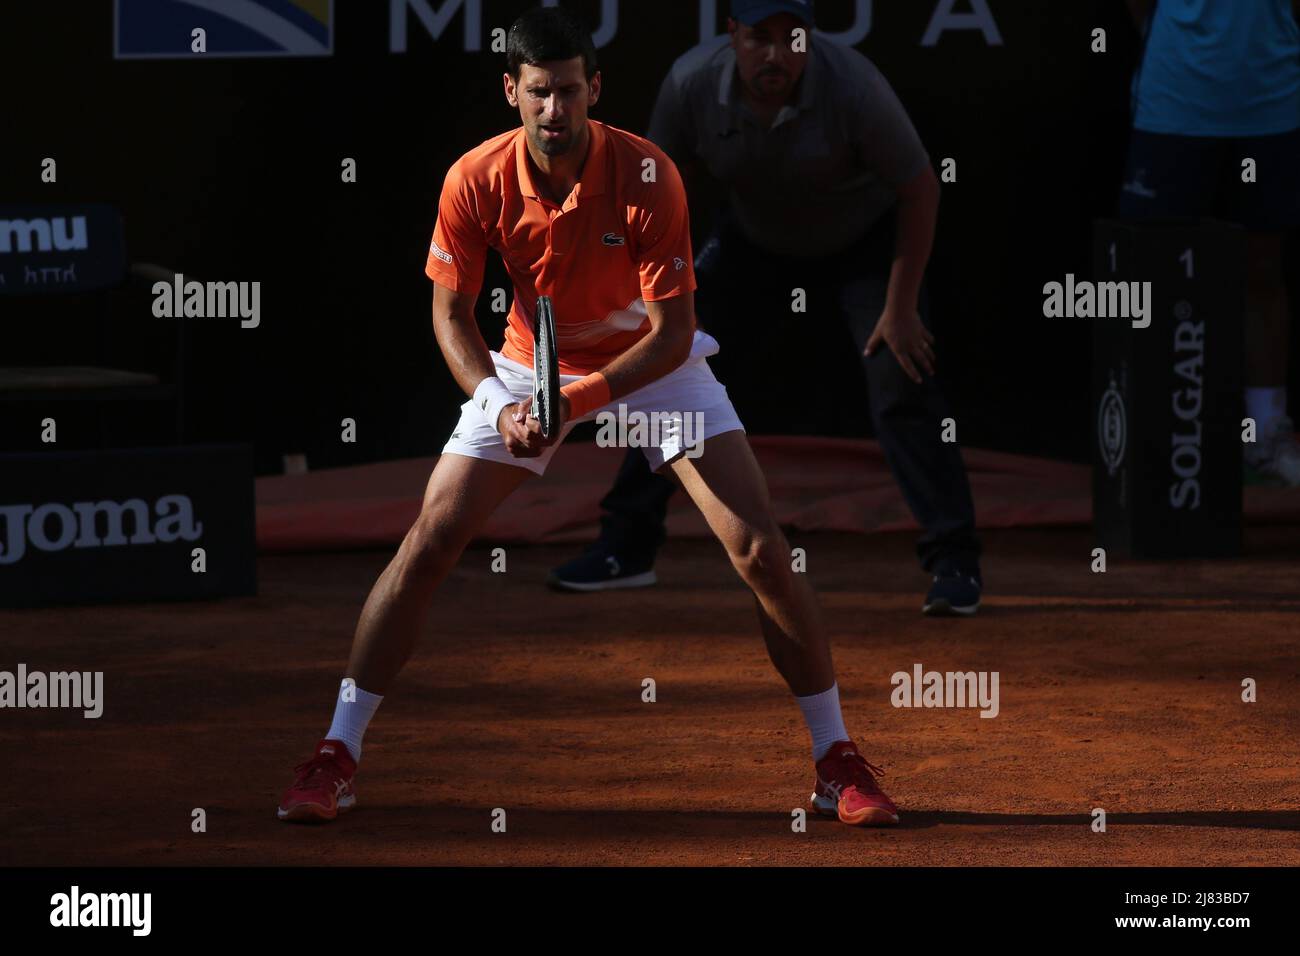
(490, 397)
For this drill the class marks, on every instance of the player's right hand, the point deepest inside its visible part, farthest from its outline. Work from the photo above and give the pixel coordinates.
(908, 338)
(523, 435)
(514, 430)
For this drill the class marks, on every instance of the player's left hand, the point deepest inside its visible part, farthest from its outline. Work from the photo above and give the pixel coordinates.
(909, 340)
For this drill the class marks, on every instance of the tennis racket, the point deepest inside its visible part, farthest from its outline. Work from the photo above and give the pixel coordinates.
(546, 370)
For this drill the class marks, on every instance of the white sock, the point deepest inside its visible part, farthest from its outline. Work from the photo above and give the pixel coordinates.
(825, 722)
(1267, 406)
(352, 716)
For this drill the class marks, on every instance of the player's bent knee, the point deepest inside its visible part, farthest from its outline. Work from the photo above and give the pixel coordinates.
(762, 558)
(432, 545)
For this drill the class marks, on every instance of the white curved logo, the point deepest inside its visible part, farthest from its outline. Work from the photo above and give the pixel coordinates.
(1112, 427)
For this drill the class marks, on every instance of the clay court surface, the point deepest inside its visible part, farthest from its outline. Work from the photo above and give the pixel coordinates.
(1119, 691)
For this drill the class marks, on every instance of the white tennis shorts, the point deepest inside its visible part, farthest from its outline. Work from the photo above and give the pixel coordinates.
(689, 390)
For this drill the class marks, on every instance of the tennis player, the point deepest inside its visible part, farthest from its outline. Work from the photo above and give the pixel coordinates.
(595, 218)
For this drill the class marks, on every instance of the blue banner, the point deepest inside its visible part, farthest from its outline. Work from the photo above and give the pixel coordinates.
(164, 29)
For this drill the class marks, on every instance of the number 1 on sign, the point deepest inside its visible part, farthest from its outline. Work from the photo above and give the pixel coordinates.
(1186, 259)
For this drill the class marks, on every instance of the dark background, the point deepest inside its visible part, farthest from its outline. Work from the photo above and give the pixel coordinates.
(230, 170)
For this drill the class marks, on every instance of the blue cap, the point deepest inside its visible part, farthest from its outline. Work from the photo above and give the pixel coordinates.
(750, 12)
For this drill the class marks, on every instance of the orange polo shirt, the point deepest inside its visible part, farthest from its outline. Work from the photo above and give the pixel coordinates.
(617, 242)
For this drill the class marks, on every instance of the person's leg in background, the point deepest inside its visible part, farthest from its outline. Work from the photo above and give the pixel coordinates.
(632, 518)
(1268, 208)
(1188, 176)
(1274, 455)
(930, 472)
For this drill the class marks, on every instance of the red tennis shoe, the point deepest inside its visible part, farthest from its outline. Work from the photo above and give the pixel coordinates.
(323, 786)
(847, 788)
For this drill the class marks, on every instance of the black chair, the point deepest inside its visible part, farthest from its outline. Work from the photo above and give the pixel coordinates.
(78, 252)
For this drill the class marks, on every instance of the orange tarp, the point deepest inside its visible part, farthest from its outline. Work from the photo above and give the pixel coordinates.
(817, 484)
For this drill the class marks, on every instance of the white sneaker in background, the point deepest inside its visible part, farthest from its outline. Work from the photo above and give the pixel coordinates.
(1275, 458)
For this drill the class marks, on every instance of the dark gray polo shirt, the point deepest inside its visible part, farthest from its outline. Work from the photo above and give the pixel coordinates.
(826, 169)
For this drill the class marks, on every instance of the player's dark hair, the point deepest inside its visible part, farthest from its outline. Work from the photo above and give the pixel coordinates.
(549, 33)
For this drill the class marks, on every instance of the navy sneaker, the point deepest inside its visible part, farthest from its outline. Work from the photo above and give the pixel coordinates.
(598, 569)
(955, 591)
